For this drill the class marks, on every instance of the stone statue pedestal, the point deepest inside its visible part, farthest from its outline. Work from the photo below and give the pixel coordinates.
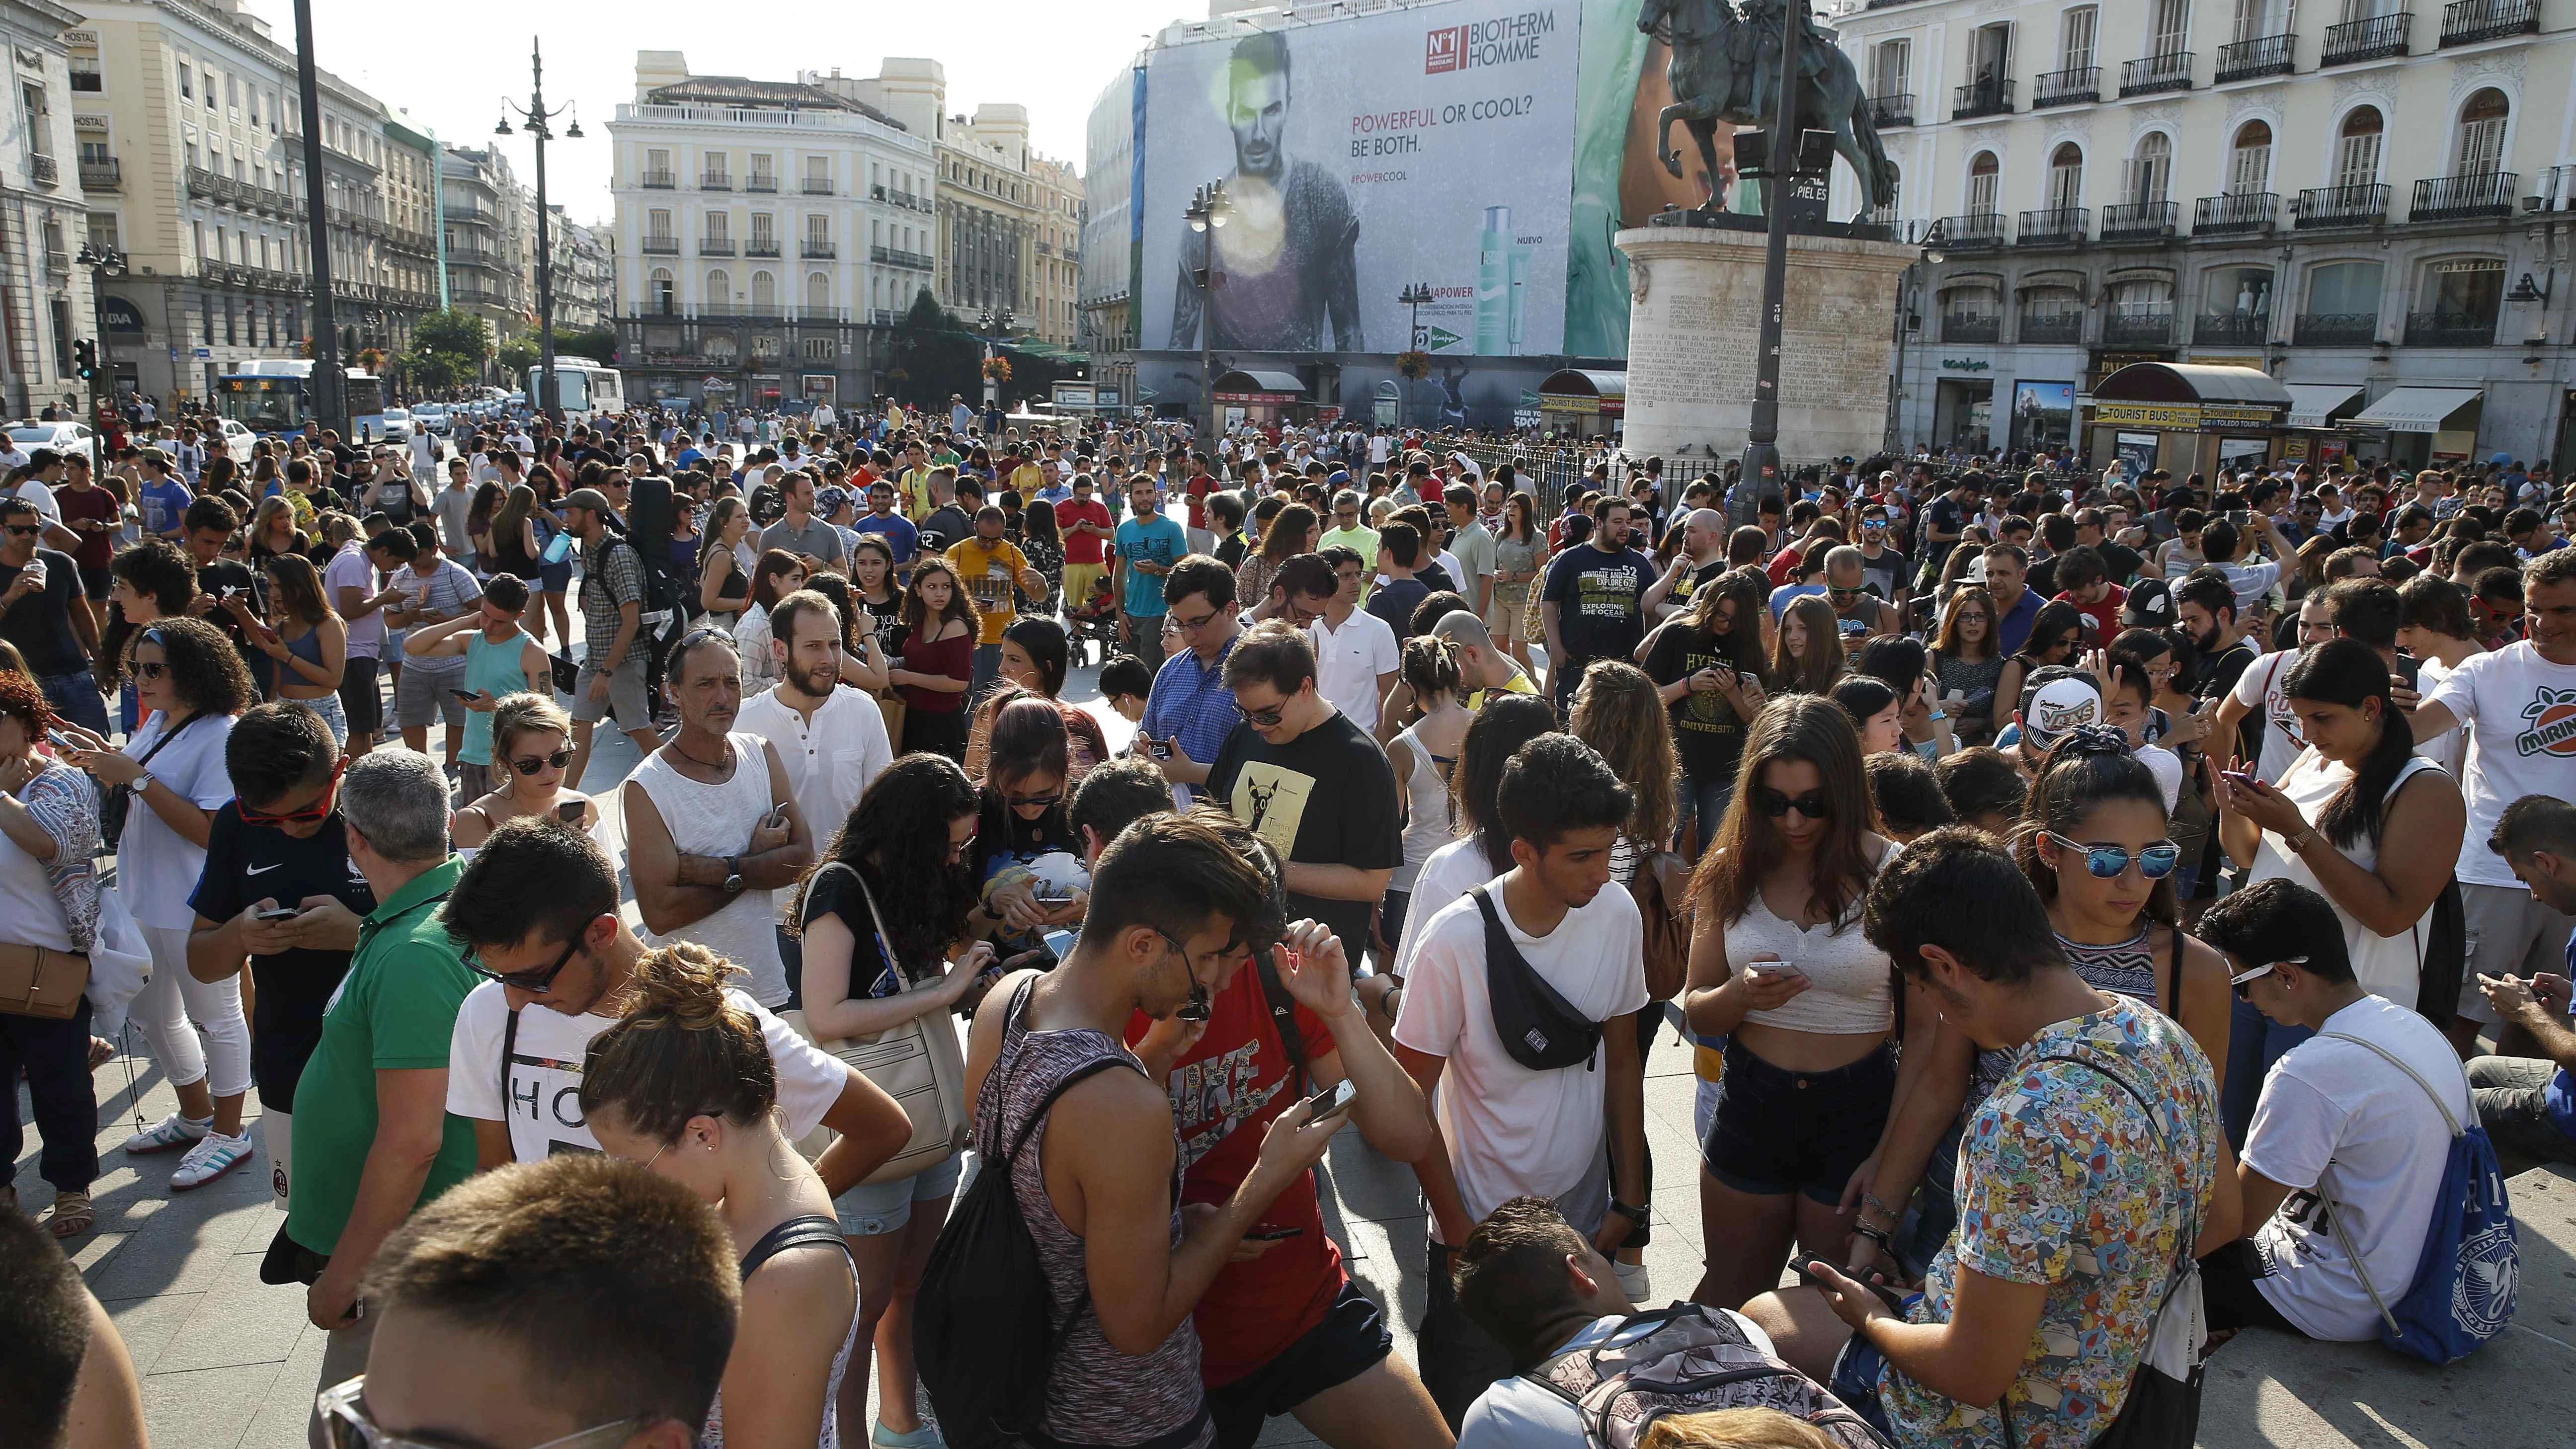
(1695, 327)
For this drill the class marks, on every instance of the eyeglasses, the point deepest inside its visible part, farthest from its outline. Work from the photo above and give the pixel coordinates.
(1266, 719)
(530, 764)
(345, 1424)
(2105, 862)
(1774, 804)
(1034, 802)
(1975, 618)
(150, 668)
(25, 530)
(1192, 626)
(535, 983)
(1847, 594)
(319, 808)
(2243, 979)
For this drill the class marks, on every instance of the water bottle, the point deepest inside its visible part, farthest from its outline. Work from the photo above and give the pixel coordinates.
(557, 549)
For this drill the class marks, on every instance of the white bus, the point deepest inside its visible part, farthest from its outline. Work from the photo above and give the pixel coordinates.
(582, 387)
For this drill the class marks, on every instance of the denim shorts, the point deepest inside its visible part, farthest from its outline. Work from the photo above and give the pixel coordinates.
(872, 1209)
(1778, 1131)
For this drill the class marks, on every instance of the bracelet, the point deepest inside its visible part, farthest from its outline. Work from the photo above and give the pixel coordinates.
(1870, 1201)
(1632, 1213)
(1876, 1235)
(2302, 840)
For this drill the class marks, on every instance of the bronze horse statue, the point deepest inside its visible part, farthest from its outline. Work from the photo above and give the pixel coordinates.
(1725, 67)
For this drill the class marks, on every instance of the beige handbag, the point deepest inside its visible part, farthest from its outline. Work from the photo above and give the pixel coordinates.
(920, 1064)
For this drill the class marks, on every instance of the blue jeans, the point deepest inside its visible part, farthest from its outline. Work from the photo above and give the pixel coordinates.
(2254, 1043)
(1704, 801)
(75, 697)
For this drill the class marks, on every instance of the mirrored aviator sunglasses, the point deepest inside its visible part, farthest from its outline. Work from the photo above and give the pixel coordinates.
(2104, 862)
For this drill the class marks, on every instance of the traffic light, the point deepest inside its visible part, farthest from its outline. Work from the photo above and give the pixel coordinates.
(85, 359)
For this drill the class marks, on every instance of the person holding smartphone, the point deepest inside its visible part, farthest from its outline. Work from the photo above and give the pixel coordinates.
(531, 756)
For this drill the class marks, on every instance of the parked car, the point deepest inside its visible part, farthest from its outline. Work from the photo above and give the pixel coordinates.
(61, 437)
(397, 425)
(237, 441)
(435, 417)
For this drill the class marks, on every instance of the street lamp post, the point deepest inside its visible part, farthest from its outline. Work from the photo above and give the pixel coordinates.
(103, 262)
(1208, 210)
(1413, 297)
(997, 325)
(1762, 438)
(330, 384)
(1909, 297)
(538, 122)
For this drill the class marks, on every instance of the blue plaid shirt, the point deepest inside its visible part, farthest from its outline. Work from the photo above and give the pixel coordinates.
(1190, 700)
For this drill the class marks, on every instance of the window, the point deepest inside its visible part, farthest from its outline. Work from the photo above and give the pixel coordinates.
(187, 83)
(818, 349)
(720, 228)
(1890, 66)
(2249, 160)
(818, 231)
(2482, 133)
(2240, 291)
(764, 229)
(657, 224)
(2075, 38)
(764, 292)
(1981, 184)
(40, 138)
(2169, 26)
(657, 163)
(2151, 170)
(2357, 147)
(818, 291)
(664, 292)
(2066, 177)
(2256, 19)
(2349, 289)
(1990, 55)
(719, 287)
(2466, 292)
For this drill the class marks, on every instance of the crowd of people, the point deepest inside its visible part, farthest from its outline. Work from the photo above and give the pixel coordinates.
(890, 1057)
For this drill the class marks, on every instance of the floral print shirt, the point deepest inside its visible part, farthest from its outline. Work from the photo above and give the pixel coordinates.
(65, 805)
(2066, 1180)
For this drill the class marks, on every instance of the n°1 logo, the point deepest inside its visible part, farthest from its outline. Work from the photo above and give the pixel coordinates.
(1444, 50)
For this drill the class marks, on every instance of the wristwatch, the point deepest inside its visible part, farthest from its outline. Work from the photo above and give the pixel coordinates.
(1632, 1213)
(733, 876)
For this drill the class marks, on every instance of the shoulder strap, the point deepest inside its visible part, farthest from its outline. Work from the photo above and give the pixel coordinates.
(2174, 992)
(1046, 1103)
(167, 736)
(509, 1049)
(808, 1230)
(1283, 1012)
(2448, 1120)
(2185, 1240)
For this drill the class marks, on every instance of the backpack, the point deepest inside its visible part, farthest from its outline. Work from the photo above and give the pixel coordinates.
(1690, 1358)
(2463, 1292)
(985, 1305)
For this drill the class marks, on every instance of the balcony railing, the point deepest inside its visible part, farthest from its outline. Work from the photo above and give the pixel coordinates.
(2168, 72)
(1972, 327)
(884, 317)
(469, 257)
(818, 186)
(43, 170)
(2261, 56)
(2470, 21)
(818, 251)
(2232, 329)
(757, 182)
(659, 181)
(2057, 226)
(661, 246)
(758, 248)
(2135, 221)
(2330, 206)
(2243, 213)
(2461, 198)
(2335, 329)
(1982, 98)
(1976, 229)
(87, 79)
(2066, 87)
(2058, 329)
(715, 246)
(2127, 326)
(107, 174)
(1896, 109)
(2449, 329)
(2375, 38)
(716, 181)
(896, 257)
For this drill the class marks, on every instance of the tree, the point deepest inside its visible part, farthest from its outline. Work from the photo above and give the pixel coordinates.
(599, 344)
(516, 356)
(938, 355)
(448, 349)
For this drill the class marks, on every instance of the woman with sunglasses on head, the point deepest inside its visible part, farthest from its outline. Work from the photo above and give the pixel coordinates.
(531, 750)
(1027, 860)
(2056, 631)
(935, 660)
(2094, 841)
(191, 684)
(1779, 966)
(500, 660)
(725, 562)
(1809, 655)
(308, 643)
(1968, 663)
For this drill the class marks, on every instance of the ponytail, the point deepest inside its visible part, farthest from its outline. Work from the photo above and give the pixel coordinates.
(2348, 672)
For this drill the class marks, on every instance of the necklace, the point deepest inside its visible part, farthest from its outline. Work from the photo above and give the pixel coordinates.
(694, 760)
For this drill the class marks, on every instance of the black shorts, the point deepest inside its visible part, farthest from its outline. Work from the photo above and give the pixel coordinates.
(95, 582)
(1350, 1341)
(359, 698)
(1778, 1131)
(2229, 1298)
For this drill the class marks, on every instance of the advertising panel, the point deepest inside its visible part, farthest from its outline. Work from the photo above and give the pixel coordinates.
(1430, 146)
(2043, 414)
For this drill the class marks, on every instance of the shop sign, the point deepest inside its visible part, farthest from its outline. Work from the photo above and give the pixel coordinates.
(1261, 399)
(1966, 364)
(2183, 417)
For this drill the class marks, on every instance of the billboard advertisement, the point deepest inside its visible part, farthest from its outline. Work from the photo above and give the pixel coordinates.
(1430, 147)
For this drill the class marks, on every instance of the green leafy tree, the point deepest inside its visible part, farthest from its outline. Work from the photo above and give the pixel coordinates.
(448, 349)
(599, 344)
(938, 355)
(516, 356)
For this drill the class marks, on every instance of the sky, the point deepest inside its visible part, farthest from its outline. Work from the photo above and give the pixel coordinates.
(450, 63)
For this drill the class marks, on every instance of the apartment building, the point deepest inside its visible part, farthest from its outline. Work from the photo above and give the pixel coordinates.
(490, 222)
(45, 296)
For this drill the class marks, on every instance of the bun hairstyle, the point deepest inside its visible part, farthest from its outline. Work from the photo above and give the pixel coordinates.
(2092, 766)
(682, 1049)
(1431, 667)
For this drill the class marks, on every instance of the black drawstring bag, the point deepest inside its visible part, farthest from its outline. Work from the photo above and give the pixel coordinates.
(1538, 1028)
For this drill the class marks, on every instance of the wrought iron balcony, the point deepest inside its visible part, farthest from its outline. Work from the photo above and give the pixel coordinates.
(818, 186)
(2232, 329)
(897, 257)
(2335, 329)
(2332, 206)
(716, 181)
(1982, 98)
(2449, 329)
(1896, 109)
(758, 248)
(757, 182)
(2057, 226)
(658, 181)
(820, 251)
(2261, 56)
(106, 174)
(2125, 325)
(1976, 230)
(2471, 21)
(2462, 198)
(2242, 213)
(2375, 38)
(1972, 327)
(2168, 72)
(715, 246)
(2140, 221)
(2066, 87)
(661, 246)
(2061, 329)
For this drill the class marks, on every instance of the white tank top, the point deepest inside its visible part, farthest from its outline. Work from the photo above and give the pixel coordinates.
(717, 820)
(1428, 826)
(2386, 966)
(1850, 988)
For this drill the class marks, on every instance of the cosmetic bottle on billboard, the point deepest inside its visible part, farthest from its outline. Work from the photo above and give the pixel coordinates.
(1493, 284)
(1519, 272)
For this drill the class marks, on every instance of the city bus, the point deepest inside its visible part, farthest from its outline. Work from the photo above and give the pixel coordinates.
(583, 388)
(274, 395)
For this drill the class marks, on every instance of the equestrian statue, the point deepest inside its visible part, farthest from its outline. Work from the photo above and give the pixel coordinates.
(1726, 67)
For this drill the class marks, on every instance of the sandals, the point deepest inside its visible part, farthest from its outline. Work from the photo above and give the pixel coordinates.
(72, 1216)
(101, 1052)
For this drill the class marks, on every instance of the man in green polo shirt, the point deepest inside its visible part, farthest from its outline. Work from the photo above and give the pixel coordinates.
(374, 1126)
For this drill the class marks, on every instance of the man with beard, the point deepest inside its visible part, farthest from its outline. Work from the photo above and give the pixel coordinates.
(1287, 254)
(832, 740)
(1593, 604)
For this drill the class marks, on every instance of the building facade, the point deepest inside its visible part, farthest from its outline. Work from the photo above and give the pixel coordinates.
(490, 226)
(1054, 285)
(768, 234)
(1105, 295)
(2372, 202)
(584, 292)
(46, 301)
(194, 141)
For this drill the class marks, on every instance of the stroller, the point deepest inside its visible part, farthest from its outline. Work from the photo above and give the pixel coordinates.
(1093, 620)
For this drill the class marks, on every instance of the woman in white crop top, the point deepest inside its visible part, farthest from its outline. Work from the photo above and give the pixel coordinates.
(1779, 965)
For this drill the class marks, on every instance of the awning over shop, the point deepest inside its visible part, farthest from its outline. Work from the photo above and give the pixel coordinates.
(2416, 409)
(1242, 386)
(1583, 390)
(2314, 404)
(2190, 397)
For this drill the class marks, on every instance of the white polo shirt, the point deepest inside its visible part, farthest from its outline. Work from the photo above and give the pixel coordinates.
(1348, 661)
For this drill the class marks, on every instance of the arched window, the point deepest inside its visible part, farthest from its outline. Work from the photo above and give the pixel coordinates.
(2249, 160)
(2345, 290)
(818, 291)
(2482, 133)
(1982, 173)
(764, 293)
(2066, 177)
(719, 296)
(2151, 169)
(665, 291)
(2357, 147)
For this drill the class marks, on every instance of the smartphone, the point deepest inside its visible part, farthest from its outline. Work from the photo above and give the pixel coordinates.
(1330, 1100)
(1059, 942)
(2242, 779)
(466, 696)
(228, 591)
(1054, 896)
(281, 913)
(62, 741)
(1774, 968)
(1273, 1235)
(570, 812)
(1159, 749)
(775, 819)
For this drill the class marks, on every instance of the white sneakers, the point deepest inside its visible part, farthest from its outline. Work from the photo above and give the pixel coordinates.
(1639, 1285)
(211, 1158)
(169, 1134)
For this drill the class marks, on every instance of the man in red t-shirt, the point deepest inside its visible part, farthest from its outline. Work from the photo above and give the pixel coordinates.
(1283, 1330)
(91, 512)
(1082, 521)
(2085, 582)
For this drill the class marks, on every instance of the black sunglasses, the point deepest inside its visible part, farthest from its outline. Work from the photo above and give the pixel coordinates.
(530, 764)
(1774, 804)
(535, 983)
